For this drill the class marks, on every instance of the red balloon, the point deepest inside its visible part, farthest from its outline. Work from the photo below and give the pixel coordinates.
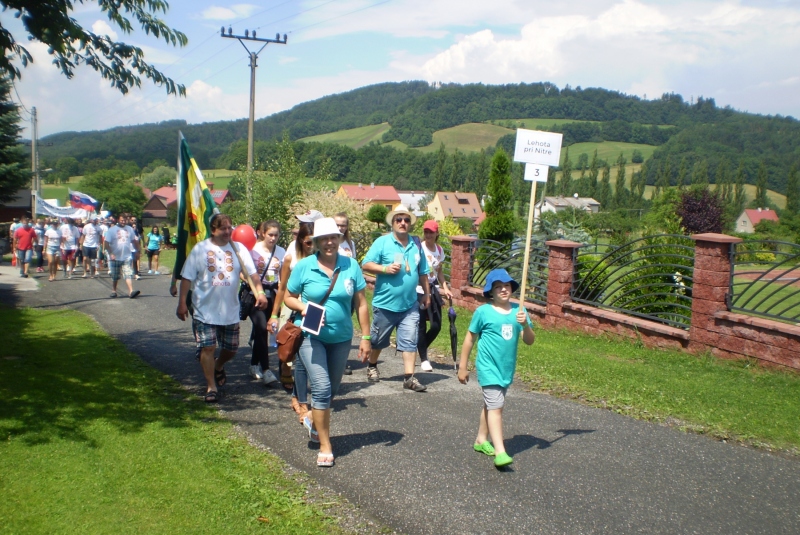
(245, 235)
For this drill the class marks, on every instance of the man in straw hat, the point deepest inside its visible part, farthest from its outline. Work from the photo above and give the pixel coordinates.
(398, 266)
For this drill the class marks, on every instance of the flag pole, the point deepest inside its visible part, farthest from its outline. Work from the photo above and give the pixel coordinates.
(524, 283)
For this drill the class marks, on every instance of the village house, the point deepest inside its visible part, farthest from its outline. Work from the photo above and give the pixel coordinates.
(366, 196)
(155, 211)
(411, 199)
(456, 205)
(749, 218)
(559, 204)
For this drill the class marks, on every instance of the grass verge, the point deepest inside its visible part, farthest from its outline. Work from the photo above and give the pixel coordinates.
(737, 400)
(92, 440)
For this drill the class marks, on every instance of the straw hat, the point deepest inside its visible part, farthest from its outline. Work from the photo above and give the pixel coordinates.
(400, 210)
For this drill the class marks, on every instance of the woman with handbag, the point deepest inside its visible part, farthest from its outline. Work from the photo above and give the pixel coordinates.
(435, 256)
(330, 279)
(293, 378)
(268, 257)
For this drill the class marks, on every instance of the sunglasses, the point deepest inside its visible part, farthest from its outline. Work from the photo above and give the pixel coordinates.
(308, 243)
(402, 220)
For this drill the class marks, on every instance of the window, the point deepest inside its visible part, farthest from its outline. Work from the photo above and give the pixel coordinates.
(464, 210)
(474, 211)
(445, 197)
(450, 210)
(463, 201)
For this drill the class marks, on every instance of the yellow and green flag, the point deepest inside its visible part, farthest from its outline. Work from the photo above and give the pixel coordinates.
(195, 205)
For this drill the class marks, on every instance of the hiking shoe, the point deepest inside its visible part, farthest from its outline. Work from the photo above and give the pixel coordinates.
(484, 447)
(426, 366)
(502, 459)
(412, 384)
(373, 375)
(348, 370)
(268, 377)
(256, 373)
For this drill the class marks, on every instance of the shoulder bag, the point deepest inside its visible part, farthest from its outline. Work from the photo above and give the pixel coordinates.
(246, 298)
(290, 337)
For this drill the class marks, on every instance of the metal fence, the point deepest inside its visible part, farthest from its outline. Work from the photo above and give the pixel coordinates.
(650, 278)
(487, 255)
(765, 279)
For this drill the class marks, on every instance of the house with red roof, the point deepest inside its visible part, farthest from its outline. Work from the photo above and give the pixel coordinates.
(366, 196)
(164, 198)
(751, 217)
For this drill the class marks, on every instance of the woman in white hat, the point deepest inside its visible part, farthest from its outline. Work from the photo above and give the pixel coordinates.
(332, 280)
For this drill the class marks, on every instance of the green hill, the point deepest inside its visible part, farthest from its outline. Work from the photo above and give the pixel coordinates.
(352, 137)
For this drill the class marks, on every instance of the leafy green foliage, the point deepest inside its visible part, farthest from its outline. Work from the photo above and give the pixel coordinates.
(13, 174)
(500, 222)
(159, 177)
(116, 190)
(52, 23)
(377, 214)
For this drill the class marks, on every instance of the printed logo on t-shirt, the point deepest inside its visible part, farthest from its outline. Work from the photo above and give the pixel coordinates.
(349, 286)
(507, 332)
(221, 271)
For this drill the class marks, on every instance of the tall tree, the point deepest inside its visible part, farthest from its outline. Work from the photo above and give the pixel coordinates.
(603, 193)
(565, 186)
(594, 170)
(499, 222)
(723, 179)
(664, 176)
(439, 183)
(739, 198)
(13, 173)
(620, 192)
(683, 171)
(793, 191)
(700, 173)
(481, 175)
(761, 185)
(456, 183)
(52, 23)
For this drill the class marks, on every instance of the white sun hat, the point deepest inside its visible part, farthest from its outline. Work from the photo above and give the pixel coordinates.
(400, 210)
(325, 227)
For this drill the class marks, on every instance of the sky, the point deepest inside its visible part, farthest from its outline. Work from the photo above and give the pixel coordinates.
(744, 54)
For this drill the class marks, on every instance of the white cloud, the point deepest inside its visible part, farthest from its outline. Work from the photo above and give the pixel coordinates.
(101, 27)
(287, 59)
(236, 11)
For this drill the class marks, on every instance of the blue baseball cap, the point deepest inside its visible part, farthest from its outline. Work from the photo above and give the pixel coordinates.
(498, 275)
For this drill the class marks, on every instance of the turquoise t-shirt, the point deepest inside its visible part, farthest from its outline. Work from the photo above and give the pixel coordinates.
(497, 344)
(398, 292)
(154, 241)
(308, 280)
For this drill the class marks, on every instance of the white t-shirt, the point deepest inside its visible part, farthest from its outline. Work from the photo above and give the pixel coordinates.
(90, 238)
(71, 235)
(53, 238)
(348, 249)
(215, 271)
(103, 230)
(120, 242)
(435, 259)
(260, 255)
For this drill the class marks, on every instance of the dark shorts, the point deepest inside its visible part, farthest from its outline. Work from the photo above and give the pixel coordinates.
(68, 254)
(89, 252)
(224, 336)
(152, 252)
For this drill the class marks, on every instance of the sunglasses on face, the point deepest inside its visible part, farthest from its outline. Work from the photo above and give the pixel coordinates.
(402, 220)
(308, 243)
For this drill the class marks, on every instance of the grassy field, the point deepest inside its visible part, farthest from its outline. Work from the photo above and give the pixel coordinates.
(353, 137)
(95, 441)
(726, 399)
(470, 137)
(534, 123)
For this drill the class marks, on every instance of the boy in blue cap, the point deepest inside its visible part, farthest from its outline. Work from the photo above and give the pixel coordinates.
(497, 325)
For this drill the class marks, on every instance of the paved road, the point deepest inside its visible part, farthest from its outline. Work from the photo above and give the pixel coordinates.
(405, 458)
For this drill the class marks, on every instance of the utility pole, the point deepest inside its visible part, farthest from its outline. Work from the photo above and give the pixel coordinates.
(253, 64)
(34, 162)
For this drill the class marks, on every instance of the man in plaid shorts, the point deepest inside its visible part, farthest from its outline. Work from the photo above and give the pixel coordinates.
(214, 266)
(120, 247)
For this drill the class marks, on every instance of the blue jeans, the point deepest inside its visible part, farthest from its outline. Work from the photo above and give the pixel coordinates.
(23, 257)
(300, 388)
(385, 321)
(325, 365)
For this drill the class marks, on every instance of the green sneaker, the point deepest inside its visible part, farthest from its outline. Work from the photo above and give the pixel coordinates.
(502, 459)
(484, 447)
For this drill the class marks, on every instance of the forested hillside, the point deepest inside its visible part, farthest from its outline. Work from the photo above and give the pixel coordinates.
(690, 137)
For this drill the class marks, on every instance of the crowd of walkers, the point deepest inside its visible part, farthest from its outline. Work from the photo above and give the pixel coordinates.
(319, 269)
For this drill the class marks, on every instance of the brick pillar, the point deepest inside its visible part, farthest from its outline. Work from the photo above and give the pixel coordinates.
(460, 265)
(559, 281)
(712, 278)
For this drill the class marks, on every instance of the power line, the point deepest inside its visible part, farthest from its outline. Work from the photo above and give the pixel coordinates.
(340, 16)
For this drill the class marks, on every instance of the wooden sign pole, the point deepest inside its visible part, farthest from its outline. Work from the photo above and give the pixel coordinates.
(524, 283)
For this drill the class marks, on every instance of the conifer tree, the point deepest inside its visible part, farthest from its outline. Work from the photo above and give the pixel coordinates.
(13, 172)
(739, 198)
(761, 185)
(700, 173)
(481, 175)
(565, 188)
(455, 173)
(620, 192)
(793, 192)
(594, 170)
(683, 171)
(499, 222)
(439, 183)
(663, 180)
(604, 189)
(723, 180)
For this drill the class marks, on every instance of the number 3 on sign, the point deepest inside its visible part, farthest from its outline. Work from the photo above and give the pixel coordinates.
(535, 172)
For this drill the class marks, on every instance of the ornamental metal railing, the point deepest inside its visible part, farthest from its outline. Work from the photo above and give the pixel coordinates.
(487, 255)
(765, 279)
(650, 278)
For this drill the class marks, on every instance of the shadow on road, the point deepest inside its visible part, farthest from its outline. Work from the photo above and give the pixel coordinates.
(519, 443)
(345, 444)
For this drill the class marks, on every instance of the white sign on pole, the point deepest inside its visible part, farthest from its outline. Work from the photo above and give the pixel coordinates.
(536, 172)
(534, 146)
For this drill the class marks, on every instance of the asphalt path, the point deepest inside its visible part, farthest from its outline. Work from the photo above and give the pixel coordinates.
(406, 458)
